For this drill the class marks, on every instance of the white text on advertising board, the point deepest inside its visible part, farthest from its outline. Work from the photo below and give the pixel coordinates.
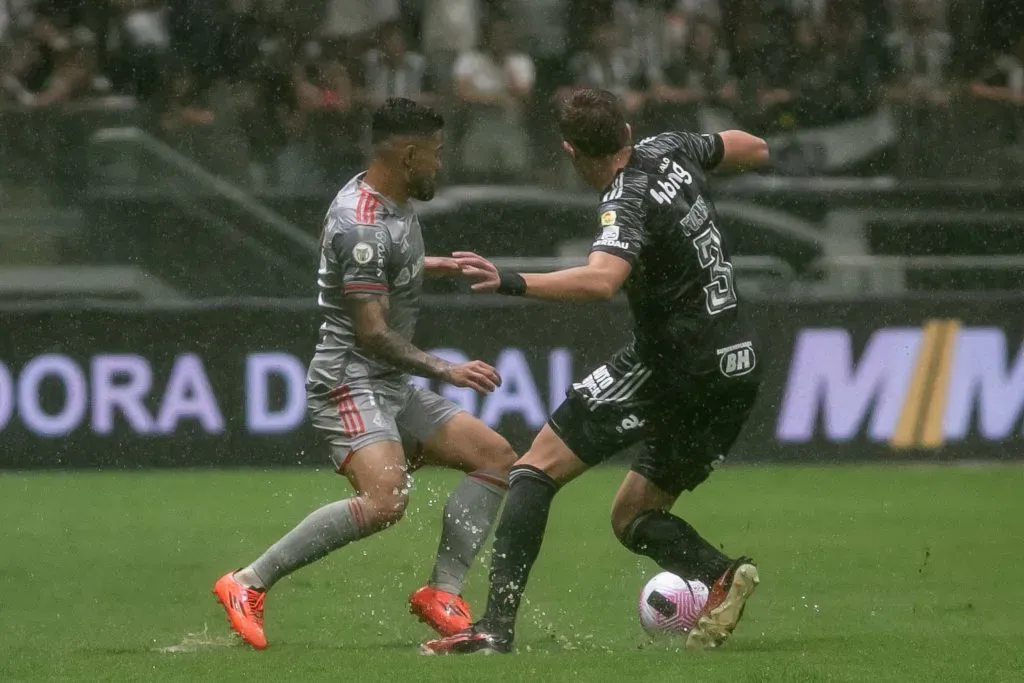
(111, 392)
(913, 387)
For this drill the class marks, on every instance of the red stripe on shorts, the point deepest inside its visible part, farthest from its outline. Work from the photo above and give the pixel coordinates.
(336, 396)
(348, 411)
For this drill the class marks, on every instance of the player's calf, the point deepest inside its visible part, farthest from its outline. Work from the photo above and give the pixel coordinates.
(378, 473)
(462, 442)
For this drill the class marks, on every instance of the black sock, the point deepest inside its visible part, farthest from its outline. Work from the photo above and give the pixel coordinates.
(517, 543)
(675, 546)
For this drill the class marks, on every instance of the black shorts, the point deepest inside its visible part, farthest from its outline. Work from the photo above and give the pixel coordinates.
(684, 425)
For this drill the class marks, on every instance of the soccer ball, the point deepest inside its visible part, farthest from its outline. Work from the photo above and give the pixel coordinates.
(670, 605)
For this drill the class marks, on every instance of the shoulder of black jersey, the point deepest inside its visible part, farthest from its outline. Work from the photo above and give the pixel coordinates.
(655, 145)
(705, 149)
(629, 186)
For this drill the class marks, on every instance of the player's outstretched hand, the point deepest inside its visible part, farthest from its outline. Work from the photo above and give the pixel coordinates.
(482, 274)
(475, 374)
(441, 266)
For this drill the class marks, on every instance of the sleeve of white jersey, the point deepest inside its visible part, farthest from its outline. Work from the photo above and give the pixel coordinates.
(363, 253)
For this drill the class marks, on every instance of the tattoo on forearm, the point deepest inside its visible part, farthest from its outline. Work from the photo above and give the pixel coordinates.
(403, 354)
(387, 345)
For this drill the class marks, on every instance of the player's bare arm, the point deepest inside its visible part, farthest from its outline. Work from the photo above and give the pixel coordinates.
(599, 280)
(376, 338)
(742, 151)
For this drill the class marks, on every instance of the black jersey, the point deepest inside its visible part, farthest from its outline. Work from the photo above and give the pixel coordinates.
(658, 214)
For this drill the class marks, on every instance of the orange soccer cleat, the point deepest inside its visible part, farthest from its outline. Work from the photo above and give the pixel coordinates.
(244, 607)
(446, 613)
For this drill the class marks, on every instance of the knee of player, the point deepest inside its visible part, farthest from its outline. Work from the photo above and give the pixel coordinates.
(502, 456)
(388, 510)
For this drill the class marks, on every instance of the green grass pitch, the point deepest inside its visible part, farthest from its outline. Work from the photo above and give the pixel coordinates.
(868, 574)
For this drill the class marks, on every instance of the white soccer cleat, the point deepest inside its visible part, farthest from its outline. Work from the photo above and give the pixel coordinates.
(724, 608)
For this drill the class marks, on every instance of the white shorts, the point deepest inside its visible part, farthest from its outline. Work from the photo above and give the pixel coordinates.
(363, 412)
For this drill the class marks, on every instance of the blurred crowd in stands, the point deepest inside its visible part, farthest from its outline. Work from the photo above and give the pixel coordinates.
(276, 92)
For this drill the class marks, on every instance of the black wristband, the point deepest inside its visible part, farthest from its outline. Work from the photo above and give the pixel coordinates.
(511, 283)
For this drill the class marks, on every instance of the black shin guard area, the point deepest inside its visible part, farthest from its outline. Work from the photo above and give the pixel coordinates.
(675, 546)
(517, 543)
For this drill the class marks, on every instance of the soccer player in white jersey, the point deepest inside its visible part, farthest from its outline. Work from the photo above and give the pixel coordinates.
(378, 426)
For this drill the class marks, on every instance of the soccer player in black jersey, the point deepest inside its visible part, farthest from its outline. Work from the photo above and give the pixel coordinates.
(682, 387)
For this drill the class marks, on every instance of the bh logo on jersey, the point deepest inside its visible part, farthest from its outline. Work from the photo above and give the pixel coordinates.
(737, 360)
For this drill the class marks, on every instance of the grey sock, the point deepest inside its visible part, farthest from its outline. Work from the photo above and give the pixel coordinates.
(324, 530)
(468, 516)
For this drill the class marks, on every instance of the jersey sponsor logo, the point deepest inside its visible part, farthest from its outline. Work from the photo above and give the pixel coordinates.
(737, 360)
(597, 381)
(675, 179)
(629, 423)
(362, 253)
(665, 161)
(612, 243)
(910, 387)
(608, 218)
(381, 237)
(696, 217)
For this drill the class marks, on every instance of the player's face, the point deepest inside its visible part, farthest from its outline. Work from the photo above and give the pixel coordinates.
(422, 165)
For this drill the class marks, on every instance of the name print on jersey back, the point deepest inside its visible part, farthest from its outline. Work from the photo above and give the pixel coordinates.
(720, 292)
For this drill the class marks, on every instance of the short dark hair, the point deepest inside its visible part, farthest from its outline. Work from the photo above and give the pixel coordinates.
(401, 116)
(593, 122)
